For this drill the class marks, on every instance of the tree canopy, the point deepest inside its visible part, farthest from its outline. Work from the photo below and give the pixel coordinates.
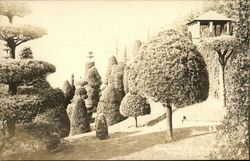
(16, 71)
(170, 69)
(14, 8)
(19, 34)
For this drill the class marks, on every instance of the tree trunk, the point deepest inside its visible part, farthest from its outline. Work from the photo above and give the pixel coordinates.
(12, 88)
(222, 86)
(10, 131)
(12, 52)
(169, 134)
(10, 19)
(136, 122)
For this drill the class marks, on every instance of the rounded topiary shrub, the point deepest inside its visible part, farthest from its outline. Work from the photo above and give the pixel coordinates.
(133, 105)
(101, 127)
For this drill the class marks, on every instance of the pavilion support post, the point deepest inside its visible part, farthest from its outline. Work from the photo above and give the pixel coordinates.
(199, 28)
(211, 26)
(228, 28)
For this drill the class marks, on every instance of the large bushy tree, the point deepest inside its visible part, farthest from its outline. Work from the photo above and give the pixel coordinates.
(170, 70)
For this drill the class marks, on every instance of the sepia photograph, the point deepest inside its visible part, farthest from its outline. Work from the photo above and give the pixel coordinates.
(124, 79)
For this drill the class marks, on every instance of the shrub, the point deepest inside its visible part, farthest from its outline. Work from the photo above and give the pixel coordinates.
(101, 127)
(133, 105)
(93, 89)
(26, 53)
(112, 61)
(68, 91)
(57, 117)
(109, 105)
(136, 48)
(29, 138)
(79, 122)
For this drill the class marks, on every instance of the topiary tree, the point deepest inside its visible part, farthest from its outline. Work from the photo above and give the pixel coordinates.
(14, 34)
(133, 105)
(171, 71)
(224, 46)
(68, 92)
(77, 112)
(10, 9)
(136, 47)
(26, 53)
(101, 127)
(93, 89)
(109, 105)
(112, 61)
(73, 82)
(15, 104)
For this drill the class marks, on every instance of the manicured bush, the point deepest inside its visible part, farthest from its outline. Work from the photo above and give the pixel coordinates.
(112, 61)
(79, 122)
(101, 127)
(136, 48)
(26, 53)
(57, 117)
(68, 91)
(93, 89)
(133, 105)
(109, 105)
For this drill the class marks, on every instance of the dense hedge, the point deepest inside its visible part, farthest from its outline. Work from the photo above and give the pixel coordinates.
(101, 127)
(233, 137)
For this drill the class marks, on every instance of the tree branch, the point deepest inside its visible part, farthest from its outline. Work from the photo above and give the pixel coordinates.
(228, 56)
(22, 42)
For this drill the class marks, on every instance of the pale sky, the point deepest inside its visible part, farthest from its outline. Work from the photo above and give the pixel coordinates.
(76, 27)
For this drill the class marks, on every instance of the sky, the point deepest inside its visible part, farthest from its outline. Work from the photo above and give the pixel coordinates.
(77, 27)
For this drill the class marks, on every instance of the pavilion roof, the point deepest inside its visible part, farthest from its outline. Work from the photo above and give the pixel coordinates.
(211, 16)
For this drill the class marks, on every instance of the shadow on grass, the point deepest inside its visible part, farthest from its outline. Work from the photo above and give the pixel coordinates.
(118, 144)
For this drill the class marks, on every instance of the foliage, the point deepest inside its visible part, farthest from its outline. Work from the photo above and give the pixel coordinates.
(170, 70)
(134, 105)
(20, 33)
(26, 53)
(68, 92)
(136, 47)
(15, 71)
(109, 105)
(14, 8)
(116, 77)
(233, 137)
(89, 65)
(79, 122)
(57, 117)
(93, 89)
(112, 61)
(221, 43)
(101, 127)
